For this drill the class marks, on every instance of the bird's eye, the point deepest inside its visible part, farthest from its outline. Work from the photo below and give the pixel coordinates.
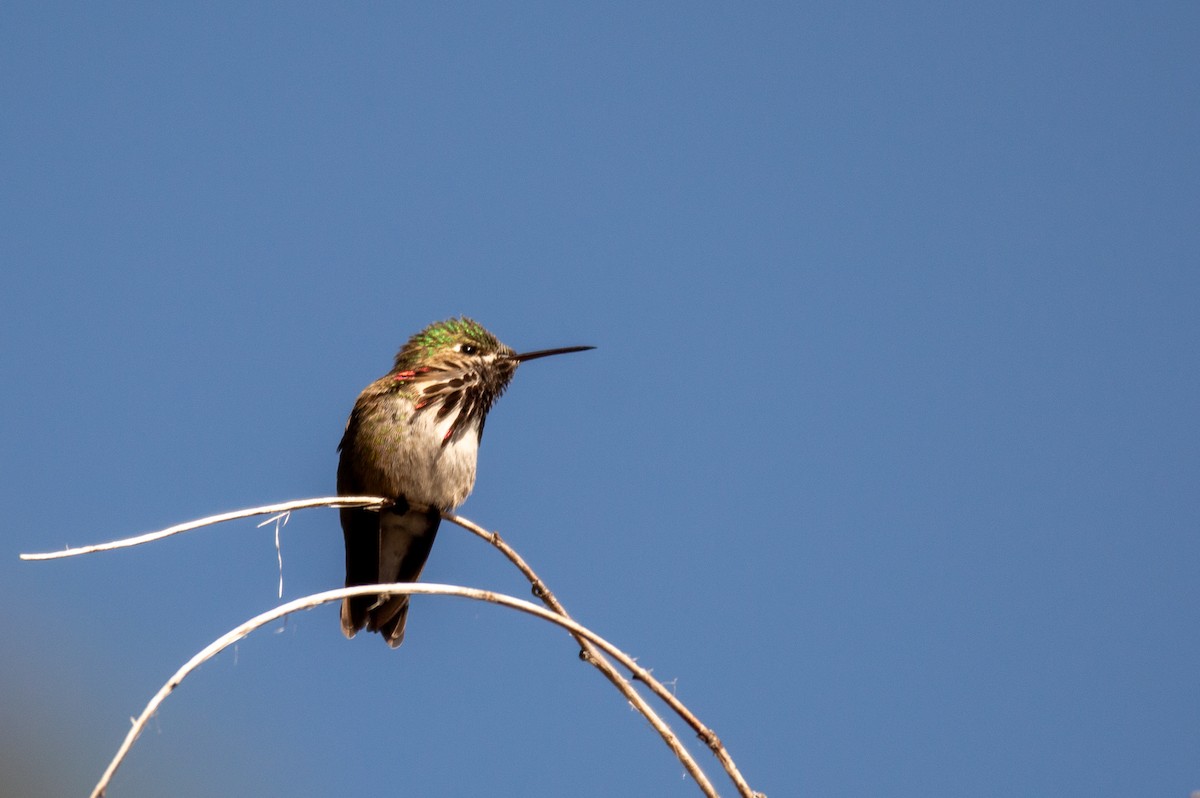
(467, 349)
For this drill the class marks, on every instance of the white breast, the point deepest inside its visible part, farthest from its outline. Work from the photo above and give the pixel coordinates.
(424, 470)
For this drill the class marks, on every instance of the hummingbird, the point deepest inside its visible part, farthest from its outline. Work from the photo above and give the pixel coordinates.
(413, 437)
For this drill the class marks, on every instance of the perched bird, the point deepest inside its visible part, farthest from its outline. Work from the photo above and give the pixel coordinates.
(413, 437)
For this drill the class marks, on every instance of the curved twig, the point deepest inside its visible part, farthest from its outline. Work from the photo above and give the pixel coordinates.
(299, 504)
(307, 603)
(588, 651)
(590, 654)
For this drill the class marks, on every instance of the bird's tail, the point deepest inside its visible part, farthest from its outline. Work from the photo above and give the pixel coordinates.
(387, 546)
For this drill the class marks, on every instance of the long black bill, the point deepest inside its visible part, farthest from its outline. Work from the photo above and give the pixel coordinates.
(521, 358)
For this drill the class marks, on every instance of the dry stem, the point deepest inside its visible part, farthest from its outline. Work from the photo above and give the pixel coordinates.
(590, 654)
(588, 641)
(299, 504)
(308, 602)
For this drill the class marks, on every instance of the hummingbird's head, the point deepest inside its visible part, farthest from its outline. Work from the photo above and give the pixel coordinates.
(465, 344)
(460, 368)
(460, 343)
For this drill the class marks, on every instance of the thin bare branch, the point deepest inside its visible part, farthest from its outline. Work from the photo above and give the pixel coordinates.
(307, 603)
(588, 651)
(299, 504)
(590, 654)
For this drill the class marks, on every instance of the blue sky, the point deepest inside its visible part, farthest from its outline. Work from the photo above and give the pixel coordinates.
(887, 457)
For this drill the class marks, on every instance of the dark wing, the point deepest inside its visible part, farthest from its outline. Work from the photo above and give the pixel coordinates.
(360, 529)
